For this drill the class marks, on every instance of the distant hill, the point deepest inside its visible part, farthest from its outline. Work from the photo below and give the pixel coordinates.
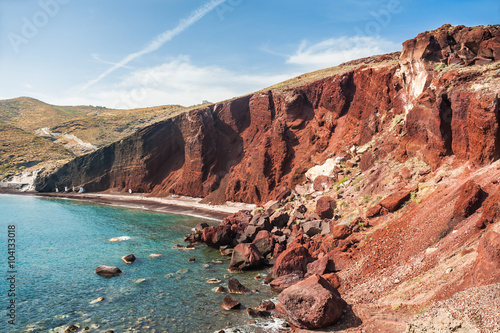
(34, 134)
(30, 114)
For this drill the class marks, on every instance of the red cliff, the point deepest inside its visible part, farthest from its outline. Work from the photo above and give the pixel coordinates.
(249, 148)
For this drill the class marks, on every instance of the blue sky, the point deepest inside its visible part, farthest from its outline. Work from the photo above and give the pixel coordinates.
(131, 53)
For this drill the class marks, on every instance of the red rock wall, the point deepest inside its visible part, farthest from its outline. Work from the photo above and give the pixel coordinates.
(247, 149)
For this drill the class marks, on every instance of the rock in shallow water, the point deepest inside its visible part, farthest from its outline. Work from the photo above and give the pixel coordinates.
(230, 303)
(128, 259)
(97, 300)
(235, 287)
(107, 271)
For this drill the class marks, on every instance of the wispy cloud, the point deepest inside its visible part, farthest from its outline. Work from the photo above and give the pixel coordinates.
(96, 57)
(177, 81)
(161, 39)
(334, 51)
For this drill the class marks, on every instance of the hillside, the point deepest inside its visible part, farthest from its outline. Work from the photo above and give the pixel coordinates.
(21, 150)
(30, 114)
(378, 179)
(68, 130)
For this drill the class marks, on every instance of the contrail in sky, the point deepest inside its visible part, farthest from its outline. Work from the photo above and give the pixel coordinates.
(161, 39)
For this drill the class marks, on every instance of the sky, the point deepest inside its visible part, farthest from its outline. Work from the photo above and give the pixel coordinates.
(141, 53)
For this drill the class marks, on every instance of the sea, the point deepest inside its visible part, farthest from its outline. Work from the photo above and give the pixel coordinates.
(49, 282)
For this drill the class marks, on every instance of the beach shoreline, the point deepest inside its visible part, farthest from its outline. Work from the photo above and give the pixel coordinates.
(181, 205)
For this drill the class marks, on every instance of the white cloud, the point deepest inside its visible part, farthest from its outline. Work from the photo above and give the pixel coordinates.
(177, 81)
(334, 51)
(161, 39)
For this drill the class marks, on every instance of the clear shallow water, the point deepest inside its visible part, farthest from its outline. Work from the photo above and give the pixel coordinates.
(61, 242)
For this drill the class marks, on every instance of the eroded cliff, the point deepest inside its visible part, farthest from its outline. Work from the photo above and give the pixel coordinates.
(438, 98)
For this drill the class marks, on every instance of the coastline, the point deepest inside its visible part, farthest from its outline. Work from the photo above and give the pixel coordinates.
(181, 205)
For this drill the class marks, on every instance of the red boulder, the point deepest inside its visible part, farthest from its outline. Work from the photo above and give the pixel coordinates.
(292, 260)
(312, 303)
(325, 207)
(245, 256)
(218, 236)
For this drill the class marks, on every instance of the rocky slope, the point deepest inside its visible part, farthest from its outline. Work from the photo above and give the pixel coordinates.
(384, 170)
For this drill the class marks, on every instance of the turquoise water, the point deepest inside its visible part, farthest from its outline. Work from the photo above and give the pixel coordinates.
(61, 242)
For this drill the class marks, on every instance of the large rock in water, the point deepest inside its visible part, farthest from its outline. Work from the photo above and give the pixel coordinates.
(235, 287)
(292, 260)
(245, 256)
(218, 236)
(107, 271)
(230, 303)
(312, 303)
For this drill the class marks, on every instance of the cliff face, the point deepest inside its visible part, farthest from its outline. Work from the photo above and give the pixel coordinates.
(430, 104)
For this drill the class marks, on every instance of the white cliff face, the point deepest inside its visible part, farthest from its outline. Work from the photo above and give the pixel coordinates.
(23, 182)
(415, 78)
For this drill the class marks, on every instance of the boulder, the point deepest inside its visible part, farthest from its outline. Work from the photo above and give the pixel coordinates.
(263, 223)
(340, 231)
(491, 210)
(279, 219)
(263, 234)
(325, 228)
(226, 250)
(235, 287)
(322, 183)
(486, 268)
(312, 228)
(201, 226)
(258, 313)
(269, 278)
(245, 256)
(216, 236)
(395, 200)
(242, 216)
(325, 207)
(332, 279)
(230, 303)
(470, 199)
(264, 245)
(373, 211)
(279, 247)
(311, 304)
(266, 306)
(321, 266)
(292, 260)
(220, 289)
(271, 206)
(248, 234)
(195, 237)
(325, 169)
(281, 283)
(107, 271)
(128, 259)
